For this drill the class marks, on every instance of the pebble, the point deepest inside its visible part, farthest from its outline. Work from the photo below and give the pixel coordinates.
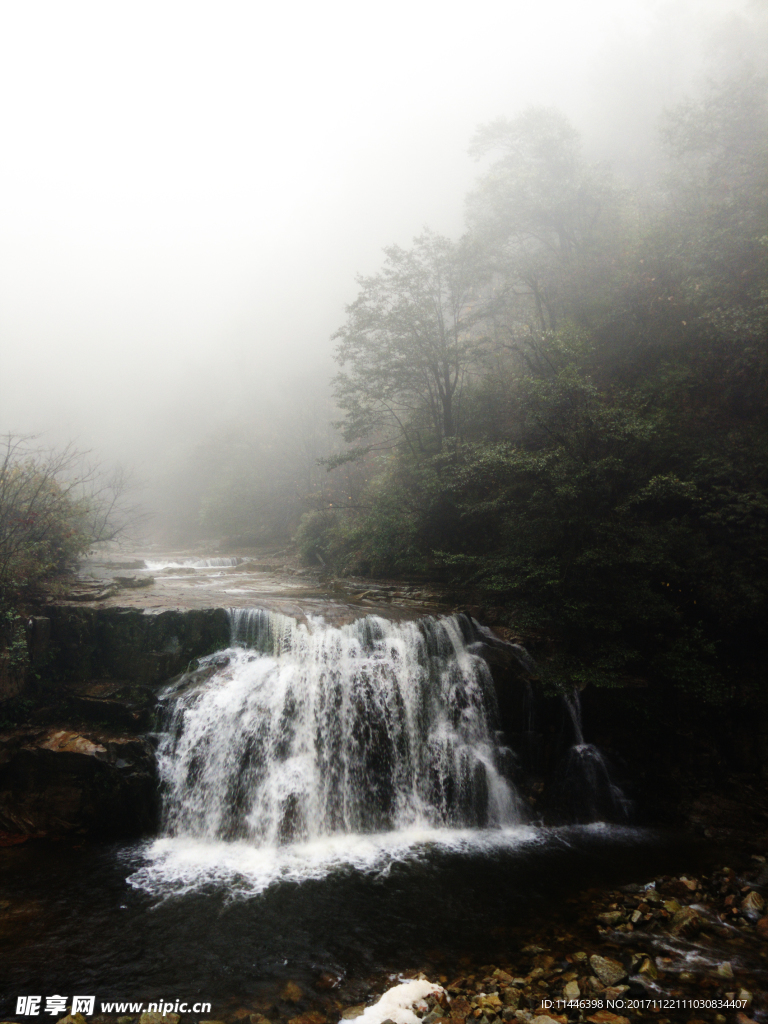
(607, 970)
(291, 992)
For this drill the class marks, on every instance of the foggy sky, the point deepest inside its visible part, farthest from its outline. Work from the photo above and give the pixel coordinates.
(187, 189)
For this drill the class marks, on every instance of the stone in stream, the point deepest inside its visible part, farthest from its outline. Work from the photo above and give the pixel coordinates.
(460, 1008)
(608, 971)
(572, 990)
(753, 905)
(611, 917)
(686, 922)
(291, 992)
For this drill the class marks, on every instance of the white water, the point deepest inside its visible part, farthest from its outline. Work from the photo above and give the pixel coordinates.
(191, 563)
(179, 865)
(315, 747)
(398, 1003)
(588, 774)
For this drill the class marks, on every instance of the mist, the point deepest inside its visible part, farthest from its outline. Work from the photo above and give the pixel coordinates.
(188, 190)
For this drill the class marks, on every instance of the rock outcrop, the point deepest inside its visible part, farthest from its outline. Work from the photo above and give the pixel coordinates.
(55, 781)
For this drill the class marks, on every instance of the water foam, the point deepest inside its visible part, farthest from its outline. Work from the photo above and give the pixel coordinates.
(180, 865)
(312, 730)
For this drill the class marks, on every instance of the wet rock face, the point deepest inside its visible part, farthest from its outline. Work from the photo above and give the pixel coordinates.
(57, 781)
(130, 644)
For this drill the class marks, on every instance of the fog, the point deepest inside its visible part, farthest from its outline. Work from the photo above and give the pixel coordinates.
(189, 189)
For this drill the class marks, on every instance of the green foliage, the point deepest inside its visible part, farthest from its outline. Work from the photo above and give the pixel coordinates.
(607, 483)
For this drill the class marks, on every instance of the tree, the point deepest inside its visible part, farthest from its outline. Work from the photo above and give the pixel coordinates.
(412, 336)
(545, 215)
(53, 507)
(717, 227)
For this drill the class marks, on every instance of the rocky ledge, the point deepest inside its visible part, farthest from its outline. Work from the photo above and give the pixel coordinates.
(55, 780)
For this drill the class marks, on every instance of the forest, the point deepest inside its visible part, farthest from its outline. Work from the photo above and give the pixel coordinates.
(563, 413)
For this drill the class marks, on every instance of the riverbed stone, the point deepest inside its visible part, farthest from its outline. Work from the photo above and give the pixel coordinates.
(648, 969)
(611, 918)
(753, 905)
(572, 990)
(725, 970)
(608, 971)
(310, 1017)
(686, 922)
(291, 992)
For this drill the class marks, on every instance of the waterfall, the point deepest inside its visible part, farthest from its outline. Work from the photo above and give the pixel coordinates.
(587, 789)
(155, 565)
(305, 730)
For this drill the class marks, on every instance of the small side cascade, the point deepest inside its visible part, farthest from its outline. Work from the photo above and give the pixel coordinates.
(587, 789)
(305, 730)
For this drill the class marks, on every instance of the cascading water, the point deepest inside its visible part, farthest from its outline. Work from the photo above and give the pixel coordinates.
(588, 791)
(192, 563)
(311, 730)
(306, 746)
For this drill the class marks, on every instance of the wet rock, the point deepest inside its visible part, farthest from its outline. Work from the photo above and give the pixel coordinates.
(291, 993)
(762, 929)
(460, 1008)
(686, 922)
(133, 582)
(608, 971)
(353, 1011)
(753, 905)
(57, 780)
(572, 990)
(648, 969)
(606, 1017)
(611, 918)
(725, 970)
(311, 1017)
(327, 981)
(159, 1018)
(76, 1018)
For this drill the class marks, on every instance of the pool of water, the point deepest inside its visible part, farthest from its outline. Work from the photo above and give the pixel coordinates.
(170, 919)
